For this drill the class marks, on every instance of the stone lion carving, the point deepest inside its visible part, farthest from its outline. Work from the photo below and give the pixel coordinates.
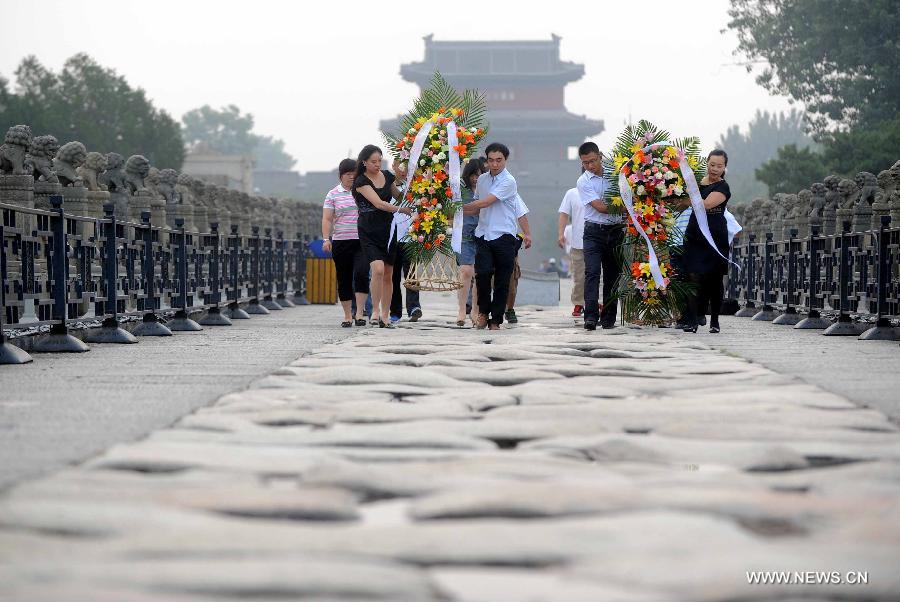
(802, 207)
(868, 186)
(817, 204)
(114, 178)
(137, 167)
(198, 188)
(849, 193)
(832, 198)
(168, 178)
(92, 170)
(39, 160)
(183, 193)
(15, 146)
(151, 182)
(70, 157)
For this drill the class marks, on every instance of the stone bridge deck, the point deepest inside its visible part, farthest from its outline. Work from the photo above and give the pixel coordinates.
(433, 463)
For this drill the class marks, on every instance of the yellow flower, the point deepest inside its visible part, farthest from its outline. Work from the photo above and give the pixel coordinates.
(616, 201)
(620, 161)
(636, 147)
(693, 162)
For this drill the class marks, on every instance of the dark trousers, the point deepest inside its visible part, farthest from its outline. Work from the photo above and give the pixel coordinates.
(412, 297)
(709, 289)
(351, 268)
(494, 259)
(601, 256)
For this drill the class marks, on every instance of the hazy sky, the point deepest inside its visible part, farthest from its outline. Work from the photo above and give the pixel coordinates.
(320, 75)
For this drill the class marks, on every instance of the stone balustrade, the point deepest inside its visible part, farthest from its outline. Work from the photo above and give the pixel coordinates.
(90, 237)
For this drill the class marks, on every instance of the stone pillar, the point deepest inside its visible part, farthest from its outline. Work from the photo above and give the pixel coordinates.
(895, 208)
(201, 217)
(17, 190)
(42, 193)
(862, 217)
(75, 200)
(95, 201)
(158, 212)
(139, 202)
(181, 211)
(829, 218)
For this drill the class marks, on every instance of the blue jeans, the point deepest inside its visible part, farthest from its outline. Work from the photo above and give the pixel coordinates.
(601, 256)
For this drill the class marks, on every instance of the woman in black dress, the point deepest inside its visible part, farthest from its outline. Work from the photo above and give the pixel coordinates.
(706, 268)
(373, 190)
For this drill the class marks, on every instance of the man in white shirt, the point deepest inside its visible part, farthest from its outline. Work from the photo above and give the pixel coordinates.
(523, 236)
(603, 235)
(571, 209)
(495, 237)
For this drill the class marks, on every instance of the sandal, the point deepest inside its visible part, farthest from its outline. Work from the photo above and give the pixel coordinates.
(460, 322)
(346, 324)
(374, 322)
(360, 321)
(383, 324)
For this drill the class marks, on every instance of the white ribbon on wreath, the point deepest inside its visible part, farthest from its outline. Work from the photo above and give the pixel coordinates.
(690, 183)
(453, 172)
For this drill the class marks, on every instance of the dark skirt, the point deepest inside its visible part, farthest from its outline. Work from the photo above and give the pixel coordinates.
(374, 229)
(699, 257)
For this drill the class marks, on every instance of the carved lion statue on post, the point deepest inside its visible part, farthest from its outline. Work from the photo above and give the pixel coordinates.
(168, 178)
(113, 178)
(15, 146)
(137, 167)
(92, 170)
(39, 160)
(70, 157)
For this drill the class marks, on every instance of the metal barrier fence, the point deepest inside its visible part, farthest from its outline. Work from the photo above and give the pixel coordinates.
(58, 269)
(851, 277)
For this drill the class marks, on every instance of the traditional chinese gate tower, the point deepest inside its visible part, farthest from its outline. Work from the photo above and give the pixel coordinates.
(525, 87)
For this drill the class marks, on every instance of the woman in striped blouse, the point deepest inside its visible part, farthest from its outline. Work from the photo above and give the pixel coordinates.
(339, 217)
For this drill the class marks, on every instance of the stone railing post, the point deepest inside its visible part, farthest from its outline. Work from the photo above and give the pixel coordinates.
(59, 340)
(882, 331)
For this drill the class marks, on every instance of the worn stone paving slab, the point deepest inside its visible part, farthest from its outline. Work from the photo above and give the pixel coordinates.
(430, 462)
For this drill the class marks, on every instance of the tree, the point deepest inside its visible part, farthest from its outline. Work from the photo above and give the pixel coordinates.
(94, 105)
(863, 149)
(766, 133)
(226, 131)
(839, 58)
(270, 154)
(842, 153)
(792, 169)
(230, 132)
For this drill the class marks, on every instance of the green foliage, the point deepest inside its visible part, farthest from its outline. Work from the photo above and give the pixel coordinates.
(270, 154)
(839, 58)
(92, 104)
(230, 132)
(792, 169)
(766, 133)
(842, 153)
(441, 94)
(226, 131)
(863, 149)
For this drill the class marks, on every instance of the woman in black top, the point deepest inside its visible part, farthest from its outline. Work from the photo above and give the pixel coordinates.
(706, 268)
(373, 189)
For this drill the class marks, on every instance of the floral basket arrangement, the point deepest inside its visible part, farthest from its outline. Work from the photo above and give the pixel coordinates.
(438, 135)
(650, 183)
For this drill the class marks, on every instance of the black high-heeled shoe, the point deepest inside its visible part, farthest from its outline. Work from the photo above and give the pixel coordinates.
(690, 328)
(714, 329)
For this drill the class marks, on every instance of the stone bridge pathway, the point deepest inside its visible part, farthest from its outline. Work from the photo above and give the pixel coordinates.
(538, 463)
